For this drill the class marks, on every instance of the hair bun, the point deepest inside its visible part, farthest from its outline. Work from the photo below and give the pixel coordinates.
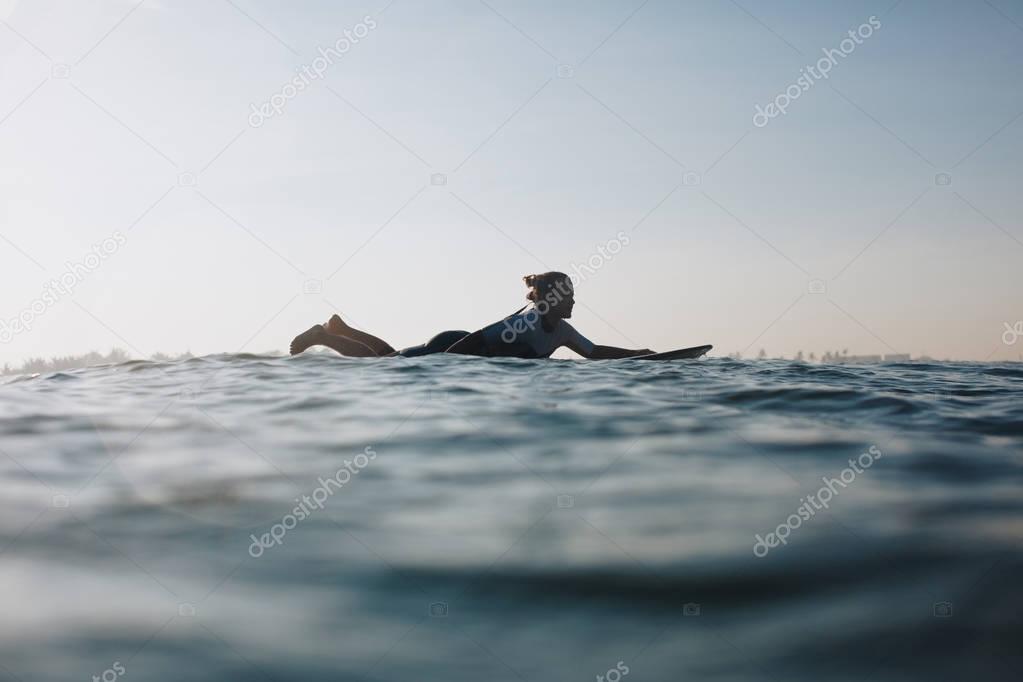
(541, 284)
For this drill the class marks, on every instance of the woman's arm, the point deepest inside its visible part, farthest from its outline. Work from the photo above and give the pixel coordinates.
(613, 352)
(586, 348)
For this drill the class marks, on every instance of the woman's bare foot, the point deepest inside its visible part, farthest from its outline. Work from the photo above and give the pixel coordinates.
(335, 325)
(310, 337)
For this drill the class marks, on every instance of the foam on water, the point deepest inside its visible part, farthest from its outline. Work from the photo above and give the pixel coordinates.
(518, 519)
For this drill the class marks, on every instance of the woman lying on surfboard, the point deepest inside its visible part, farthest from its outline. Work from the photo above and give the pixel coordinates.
(533, 333)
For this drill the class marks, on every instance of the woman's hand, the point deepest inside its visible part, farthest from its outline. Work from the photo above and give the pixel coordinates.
(613, 353)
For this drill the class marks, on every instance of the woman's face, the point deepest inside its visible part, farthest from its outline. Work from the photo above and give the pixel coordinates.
(561, 300)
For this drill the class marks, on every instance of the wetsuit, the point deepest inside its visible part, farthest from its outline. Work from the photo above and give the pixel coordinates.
(522, 335)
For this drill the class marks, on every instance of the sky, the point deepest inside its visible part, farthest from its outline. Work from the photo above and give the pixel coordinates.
(449, 148)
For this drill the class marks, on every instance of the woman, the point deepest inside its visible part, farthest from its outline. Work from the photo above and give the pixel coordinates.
(535, 333)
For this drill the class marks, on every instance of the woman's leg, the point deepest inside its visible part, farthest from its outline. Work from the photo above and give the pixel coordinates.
(335, 325)
(342, 338)
(438, 344)
(317, 335)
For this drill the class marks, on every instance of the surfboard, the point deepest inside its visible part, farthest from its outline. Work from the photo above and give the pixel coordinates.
(680, 354)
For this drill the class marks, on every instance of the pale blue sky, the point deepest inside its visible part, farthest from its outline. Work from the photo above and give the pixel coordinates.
(541, 170)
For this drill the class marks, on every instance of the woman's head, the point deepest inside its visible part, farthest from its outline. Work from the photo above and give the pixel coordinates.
(552, 293)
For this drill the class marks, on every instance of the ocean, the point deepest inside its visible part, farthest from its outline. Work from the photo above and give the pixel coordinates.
(245, 517)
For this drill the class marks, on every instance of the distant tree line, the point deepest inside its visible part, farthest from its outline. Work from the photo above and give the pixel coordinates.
(837, 357)
(61, 363)
(828, 356)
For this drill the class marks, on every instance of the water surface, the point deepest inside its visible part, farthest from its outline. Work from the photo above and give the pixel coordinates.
(510, 519)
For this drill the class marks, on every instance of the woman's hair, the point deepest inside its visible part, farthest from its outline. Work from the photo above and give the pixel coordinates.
(542, 284)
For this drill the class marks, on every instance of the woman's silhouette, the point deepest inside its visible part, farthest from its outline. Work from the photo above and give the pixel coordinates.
(535, 332)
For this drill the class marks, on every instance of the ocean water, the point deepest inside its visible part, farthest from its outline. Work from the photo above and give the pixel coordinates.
(511, 520)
